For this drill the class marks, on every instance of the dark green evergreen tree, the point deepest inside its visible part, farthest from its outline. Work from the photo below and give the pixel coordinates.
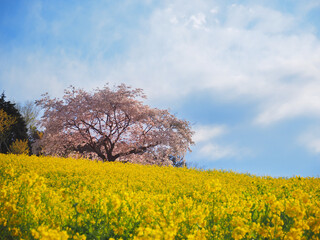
(18, 130)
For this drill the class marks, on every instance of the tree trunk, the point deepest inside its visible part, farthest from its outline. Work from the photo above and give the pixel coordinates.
(110, 157)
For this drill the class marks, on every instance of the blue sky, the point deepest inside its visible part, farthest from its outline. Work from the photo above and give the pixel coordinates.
(244, 73)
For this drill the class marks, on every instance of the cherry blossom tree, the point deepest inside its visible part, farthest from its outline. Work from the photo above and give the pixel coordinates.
(113, 125)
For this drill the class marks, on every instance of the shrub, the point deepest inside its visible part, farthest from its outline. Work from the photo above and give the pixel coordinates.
(19, 147)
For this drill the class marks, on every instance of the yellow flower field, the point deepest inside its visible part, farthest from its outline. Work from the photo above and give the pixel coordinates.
(57, 198)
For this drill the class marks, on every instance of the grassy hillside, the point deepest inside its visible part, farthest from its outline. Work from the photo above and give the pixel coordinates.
(57, 198)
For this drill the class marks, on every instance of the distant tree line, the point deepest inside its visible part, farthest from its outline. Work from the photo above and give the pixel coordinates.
(13, 129)
(108, 124)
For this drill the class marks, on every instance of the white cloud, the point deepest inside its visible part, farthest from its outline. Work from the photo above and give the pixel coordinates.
(209, 146)
(213, 151)
(311, 140)
(207, 132)
(314, 145)
(255, 53)
(300, 100)
(198, 20)
(239, 52)
(214, 10)
(206, 139)
(30, 75)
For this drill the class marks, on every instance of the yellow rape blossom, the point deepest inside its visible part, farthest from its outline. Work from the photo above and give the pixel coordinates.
(58, 198)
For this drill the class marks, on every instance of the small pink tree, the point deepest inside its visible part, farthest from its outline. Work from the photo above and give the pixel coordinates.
(111, 125)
